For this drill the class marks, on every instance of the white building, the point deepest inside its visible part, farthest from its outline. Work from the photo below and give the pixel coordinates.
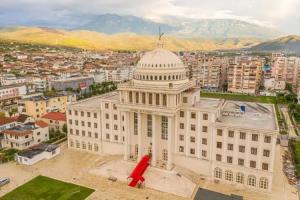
(273, 84)
(160, 113)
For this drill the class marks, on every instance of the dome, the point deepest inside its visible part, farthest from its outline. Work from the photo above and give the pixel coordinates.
(161, 66)
(160, 58)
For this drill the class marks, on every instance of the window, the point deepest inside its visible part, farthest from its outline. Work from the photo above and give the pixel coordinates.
(82, 123)
(106, 116)
(228, 175)
(192, 139)
(82, 113)
(204, 129)
(219, 145)
(149, 125)
(251, 180)
(83, 133)
(184, 100)
(70, 121)
(267, 139)
(135, 123)
(107, 136)
(95, 115)
(253, 151)
(89, 124)
(96, 148)
(96, 135)
(205, 116)
(115, 117)
(242, 149)
(218, 173)
(181, 137)
(252, 164)
(116, 137)
(90, 134)
(70, 112)
(95, 125)
(204, 153)
(90, 147)
(230, 147)
(107, 126)
(165, 154)
(130, 97)
(76, 122)
(83, 145)
(265, 166)
(266, 153)
(150, 99)
(181, 149)
(192, 151)
(263, 183)
(143, 98)
(164, 127)
(137, 97)
(219, 132)
(193, 115)
(115, 127)
(181, 113)
(218, 157)
(240, 178)
(164, 99)
(254, 137)
(157, 99)
(181, 125)
(231, 134)
(204, 141)
(229, 159)
(106, 105)
(193, 127)
(241, 162)
(242, 135)
(76, 112)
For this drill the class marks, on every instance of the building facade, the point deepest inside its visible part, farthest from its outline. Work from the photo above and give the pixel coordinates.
(160, 113)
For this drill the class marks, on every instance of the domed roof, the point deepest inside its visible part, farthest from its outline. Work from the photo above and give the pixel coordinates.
(160, 58)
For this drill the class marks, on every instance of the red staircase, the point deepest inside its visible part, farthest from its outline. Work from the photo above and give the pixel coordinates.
(137, 173)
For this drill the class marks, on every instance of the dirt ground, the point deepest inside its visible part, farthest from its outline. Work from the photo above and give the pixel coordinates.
(74, 166)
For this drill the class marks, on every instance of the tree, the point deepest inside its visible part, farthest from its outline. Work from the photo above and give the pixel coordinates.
(65, 128)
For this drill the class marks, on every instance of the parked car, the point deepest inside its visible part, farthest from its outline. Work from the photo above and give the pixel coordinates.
(4, 181)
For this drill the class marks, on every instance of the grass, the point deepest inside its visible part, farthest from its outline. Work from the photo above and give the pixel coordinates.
(45, 188)
(240, 97)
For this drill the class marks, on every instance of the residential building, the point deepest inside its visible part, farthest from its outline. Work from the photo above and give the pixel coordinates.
(11, 93)
(55, 120)
(244, 74)
(27, 135)
(74, 83)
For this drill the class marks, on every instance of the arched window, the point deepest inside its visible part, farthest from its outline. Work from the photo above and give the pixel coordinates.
(169, 78)
(165, 77)
(251, 180)
(240, 178)
(151, 78)
(160, 78)
(263, 183)
(173, 77)
(228, 175)
(218, 173)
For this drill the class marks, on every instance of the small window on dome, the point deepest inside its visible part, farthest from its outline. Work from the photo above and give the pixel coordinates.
(151, 78)
(155, 77)
(165, 78)
(155, 65)
(169, 78)
(160, 78)
(173, 77)
(159, 65)
(147, 77)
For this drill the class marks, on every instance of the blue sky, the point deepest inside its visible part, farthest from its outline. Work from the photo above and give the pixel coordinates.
(281, 14)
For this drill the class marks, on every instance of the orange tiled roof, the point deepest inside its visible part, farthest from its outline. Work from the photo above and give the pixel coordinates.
(6, 120)
(41, 124)
(17, 133)
(55, 116)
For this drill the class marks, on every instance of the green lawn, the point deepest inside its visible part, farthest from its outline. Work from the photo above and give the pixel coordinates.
(44, 188)
(240, 97)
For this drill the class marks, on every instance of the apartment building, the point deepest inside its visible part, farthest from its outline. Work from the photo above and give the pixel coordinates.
(11, 93)
(27, 135)
(160, 113)
(244, 74)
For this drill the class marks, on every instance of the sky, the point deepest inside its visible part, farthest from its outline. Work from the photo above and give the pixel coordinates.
(281, 14)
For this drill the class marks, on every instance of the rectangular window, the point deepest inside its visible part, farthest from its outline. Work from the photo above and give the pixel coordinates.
(164, 100)
(267, 139)
(219, 132)
(135, 123)
(107, 126)
(230, 147)
(253, 151)
(204, 153)
(219, 145)
(95, 125)
(185, 100)
(204, 141)
(231, 134)
(193, 115)
(218, 157)
(252, 164)
(115, 117)
(266, 153)
(242, 135)
(137, 97)
(241, 162)
(254, 137)
(157, 99)
(242, 149)
(106, 116)
(192, 151)
(193, 127)
(130, 97)
(88, 114)
(149, 125)
(205, 116)
(150, 99)
(181, 137)
(204, 129)
(265, 166)
(181, 125)
(229, 159)
(143, 98)
(106, 105)
(164, 127)
(181, 113)
(181, 149)
(192, 139)
(82, 113)
(95, 115)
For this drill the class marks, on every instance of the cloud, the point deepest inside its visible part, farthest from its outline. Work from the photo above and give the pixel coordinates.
(275, 13)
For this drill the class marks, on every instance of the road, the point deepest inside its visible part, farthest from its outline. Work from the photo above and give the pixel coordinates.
(291, 130)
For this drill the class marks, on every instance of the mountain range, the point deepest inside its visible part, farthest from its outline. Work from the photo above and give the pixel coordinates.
(179, 27)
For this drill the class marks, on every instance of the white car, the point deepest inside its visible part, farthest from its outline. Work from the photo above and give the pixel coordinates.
(4, 181)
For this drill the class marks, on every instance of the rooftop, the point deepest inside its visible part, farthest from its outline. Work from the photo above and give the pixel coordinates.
(256, 115)
(6, 120)
(30, 153)
(204, 194)
(55, 116)
(208, 103)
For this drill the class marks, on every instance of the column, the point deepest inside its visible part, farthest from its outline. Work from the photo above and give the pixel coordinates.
(139, 136)
(126, 134)
(170, 138)
(153, 159)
